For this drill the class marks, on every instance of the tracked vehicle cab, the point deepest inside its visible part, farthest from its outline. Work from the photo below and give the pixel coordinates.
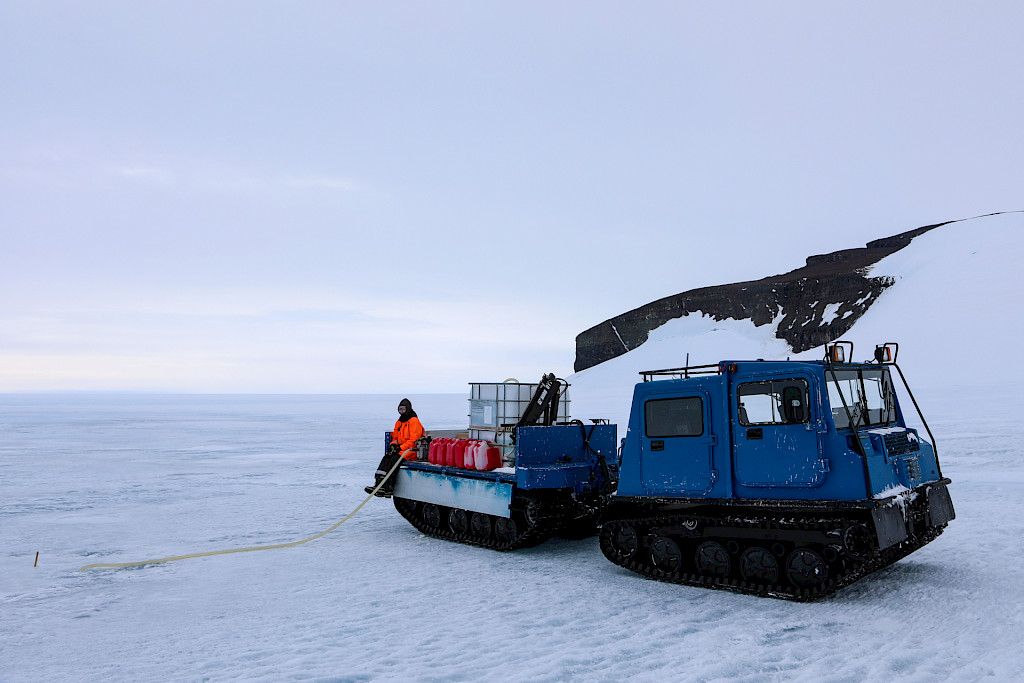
(721, 447)
(826, 429)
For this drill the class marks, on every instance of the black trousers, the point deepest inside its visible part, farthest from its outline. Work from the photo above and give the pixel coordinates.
(386, 463)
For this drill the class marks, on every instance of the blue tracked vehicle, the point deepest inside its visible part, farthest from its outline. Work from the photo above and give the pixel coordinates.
(783, 478)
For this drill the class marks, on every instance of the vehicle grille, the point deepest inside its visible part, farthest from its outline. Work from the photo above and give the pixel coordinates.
(899, 443)
(914, 469)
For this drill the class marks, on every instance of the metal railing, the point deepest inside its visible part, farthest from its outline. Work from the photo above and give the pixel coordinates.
(682, 373)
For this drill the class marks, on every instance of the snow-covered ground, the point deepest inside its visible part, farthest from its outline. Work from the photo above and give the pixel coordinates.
(93, 478)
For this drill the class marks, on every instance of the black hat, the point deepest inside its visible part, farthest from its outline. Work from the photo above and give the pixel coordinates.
(409, 412)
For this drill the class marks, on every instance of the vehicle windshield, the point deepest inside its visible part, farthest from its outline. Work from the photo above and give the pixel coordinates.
(867, 393)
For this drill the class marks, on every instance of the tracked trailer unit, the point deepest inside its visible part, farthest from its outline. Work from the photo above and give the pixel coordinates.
(556, 477)
(783, 478)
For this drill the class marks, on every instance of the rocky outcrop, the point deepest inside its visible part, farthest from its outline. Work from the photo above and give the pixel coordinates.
(810, 306)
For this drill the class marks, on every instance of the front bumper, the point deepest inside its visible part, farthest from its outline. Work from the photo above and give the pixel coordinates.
(912, 513)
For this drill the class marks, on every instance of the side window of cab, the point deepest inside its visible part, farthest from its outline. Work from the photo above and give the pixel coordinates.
(669, 417)
(773, 402)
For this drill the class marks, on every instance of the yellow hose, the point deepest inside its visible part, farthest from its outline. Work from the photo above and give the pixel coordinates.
(253, 548)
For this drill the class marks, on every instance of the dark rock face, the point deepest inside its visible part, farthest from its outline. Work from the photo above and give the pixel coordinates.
(798, 300)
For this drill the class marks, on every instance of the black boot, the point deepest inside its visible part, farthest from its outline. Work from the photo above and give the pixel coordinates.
(384, 491)
(386, 463)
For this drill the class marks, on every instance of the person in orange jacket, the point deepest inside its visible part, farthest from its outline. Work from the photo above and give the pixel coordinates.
(406, 432)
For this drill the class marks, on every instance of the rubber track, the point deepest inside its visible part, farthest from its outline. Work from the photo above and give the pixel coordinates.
(878, 561)
(538, 533)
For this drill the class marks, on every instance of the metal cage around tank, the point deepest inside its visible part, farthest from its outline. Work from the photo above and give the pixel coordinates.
(495, 408)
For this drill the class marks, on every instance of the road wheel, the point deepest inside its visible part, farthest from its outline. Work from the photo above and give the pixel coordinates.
(806, 568)
(624, 540)
(431, 515)
(666, 555)
(505, 529)
(458, 520)
(759, 565)
(713, 559)
(480, 525)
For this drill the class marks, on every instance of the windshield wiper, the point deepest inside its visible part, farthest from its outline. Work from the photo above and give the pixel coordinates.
(858, 447)
(862, 403)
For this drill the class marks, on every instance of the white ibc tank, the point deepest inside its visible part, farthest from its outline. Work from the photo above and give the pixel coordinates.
(495, 407)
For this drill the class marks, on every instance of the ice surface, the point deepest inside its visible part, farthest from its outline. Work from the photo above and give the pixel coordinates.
(88, 479)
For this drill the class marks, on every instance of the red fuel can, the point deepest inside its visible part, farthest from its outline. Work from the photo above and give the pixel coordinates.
(459, 453)
(437, 447)
(469, 458)
(488, 457)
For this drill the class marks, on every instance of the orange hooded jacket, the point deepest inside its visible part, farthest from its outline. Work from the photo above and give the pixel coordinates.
(407, 430)
(405, 435)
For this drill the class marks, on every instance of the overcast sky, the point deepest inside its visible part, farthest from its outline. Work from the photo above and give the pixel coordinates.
(391, 197)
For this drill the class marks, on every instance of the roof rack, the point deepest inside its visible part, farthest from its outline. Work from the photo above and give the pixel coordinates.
(682, 373)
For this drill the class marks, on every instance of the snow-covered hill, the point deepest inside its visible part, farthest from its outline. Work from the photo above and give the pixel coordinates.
(953, 305)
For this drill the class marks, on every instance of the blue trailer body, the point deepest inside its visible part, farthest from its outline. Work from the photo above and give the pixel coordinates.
(561, 475)
(555, 457)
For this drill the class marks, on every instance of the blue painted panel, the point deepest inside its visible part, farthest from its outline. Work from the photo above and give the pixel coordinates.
(818, 462)
(910, 469)
(555, 476)
(687, 466)
(476, 495)
(682, 466)
(928, 461)
(782, 455)
(630, 478)
(883, 474)
(555, 457)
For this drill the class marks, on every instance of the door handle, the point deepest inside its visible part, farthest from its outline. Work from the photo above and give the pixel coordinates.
(657, 445)
(755, 433)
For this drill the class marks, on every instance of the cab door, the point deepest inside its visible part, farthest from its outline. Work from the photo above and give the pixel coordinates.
(678, 444)
(777, 442)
